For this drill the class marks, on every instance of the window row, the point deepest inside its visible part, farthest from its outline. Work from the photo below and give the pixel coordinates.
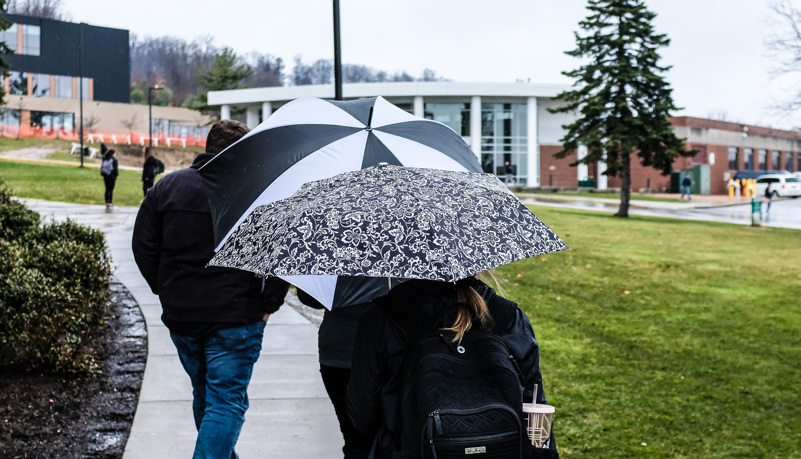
(43, 85)
(39, 119)
(23, 39)
(763, 160)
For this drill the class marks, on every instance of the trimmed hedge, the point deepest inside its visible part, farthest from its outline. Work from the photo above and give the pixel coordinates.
(54, 281)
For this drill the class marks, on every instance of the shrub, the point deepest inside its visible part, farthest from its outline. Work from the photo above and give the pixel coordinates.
(16, 220)
(53, 292)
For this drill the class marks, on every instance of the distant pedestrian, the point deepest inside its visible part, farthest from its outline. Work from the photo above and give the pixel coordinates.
(109, 169)
(685, 187)
(768, 196)
(149, 170)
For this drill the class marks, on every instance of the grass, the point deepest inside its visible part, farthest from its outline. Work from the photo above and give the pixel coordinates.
(8, 144)
(667, 338)
(69, 183)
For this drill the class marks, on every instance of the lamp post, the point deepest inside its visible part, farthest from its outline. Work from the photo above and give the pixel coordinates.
(337, 55)
(150, 111)
(80, 87)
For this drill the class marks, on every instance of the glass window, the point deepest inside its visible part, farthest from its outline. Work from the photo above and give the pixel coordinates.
(9, 116)
(31, 39)
(52, 120)
(734, 159)
(763, 159)
(41, 85)
(455, 116)
(774, 160)
(85, 88)
(160, 127)
(10, 37)
(18, 83)
(504, 141)
(798, 155)
(749, 159)
(791, 179)
(788, 161)
(63, 87)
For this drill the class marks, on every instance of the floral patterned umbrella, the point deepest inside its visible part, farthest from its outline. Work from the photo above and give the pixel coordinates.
(390, 221)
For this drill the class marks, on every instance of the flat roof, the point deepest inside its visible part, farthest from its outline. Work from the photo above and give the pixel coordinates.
(408, 89)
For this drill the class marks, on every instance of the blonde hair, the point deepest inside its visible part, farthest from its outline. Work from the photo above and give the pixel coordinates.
(471, 305)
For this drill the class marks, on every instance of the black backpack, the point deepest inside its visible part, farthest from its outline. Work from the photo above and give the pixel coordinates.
(459, 399)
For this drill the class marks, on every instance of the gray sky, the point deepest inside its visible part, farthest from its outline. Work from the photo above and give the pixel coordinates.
(720, 64)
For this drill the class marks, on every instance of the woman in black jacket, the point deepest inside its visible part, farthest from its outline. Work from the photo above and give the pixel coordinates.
(109, 169)
(381, 343)
(148, 170)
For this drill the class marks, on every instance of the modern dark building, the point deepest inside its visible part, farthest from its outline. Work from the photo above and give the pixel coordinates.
(48, 62)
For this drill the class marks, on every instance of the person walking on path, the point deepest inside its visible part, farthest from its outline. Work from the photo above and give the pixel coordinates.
(109, 169)
(216, 316)
(335, 340)
(149, 170)
(382, 342)
(768, 196)
(685, 187)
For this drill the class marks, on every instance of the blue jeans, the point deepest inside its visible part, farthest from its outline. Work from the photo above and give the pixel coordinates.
(219, 366)
(685, 190)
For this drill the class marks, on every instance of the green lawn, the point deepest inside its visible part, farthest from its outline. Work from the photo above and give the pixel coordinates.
(8, 144)
(69, 183)
(667, 338)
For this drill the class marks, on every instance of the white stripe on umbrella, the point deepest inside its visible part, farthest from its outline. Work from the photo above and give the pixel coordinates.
(315, 111)
(335, 158)
(384, 113)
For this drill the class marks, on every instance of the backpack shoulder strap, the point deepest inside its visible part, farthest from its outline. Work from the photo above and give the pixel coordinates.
(415, 327)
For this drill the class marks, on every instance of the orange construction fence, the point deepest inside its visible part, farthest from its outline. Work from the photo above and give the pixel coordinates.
(95, 136)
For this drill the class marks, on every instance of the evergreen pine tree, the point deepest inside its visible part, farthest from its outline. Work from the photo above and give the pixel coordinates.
(622, 99)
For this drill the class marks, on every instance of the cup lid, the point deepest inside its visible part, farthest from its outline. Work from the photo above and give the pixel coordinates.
(537, 408)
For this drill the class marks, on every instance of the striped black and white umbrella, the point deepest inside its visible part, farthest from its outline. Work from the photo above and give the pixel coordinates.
(390, 221)
(312, 139)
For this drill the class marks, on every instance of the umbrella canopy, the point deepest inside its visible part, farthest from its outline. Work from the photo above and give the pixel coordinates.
(312, 139)
(390, 221)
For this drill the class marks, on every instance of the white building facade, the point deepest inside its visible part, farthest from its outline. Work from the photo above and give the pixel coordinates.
(506, 125)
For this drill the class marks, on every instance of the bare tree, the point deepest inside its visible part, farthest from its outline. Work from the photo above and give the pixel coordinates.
(89, 122)
(784, 46)
(130, 123)
(50, 9)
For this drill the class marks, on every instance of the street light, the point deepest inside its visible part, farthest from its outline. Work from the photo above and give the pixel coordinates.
(150, 111)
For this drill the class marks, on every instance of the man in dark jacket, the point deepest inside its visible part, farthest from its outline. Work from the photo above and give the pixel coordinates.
(216, 316)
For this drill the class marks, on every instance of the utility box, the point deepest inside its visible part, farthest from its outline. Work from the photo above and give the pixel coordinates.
(699, 175)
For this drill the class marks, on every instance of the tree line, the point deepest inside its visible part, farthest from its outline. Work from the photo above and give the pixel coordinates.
(189, 69)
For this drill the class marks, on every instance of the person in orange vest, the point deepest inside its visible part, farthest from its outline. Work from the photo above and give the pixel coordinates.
(743, 188)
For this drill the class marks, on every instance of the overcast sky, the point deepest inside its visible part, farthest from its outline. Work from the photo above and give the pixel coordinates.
(720, 64)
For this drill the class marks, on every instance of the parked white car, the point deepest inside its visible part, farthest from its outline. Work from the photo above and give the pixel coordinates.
(783, 185)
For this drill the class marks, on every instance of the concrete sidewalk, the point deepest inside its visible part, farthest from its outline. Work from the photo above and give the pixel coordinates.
(290, 415)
